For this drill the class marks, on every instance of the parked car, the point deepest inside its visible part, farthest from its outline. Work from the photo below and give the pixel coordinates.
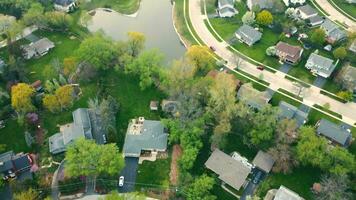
(257, 178)
(121, 181)
(212, 48)
(260, 67)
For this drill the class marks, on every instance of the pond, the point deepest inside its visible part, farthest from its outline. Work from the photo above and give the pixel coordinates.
(154, 19)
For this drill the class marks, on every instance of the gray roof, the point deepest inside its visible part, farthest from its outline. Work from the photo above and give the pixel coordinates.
(253, 97)
(63, 2)
(261, 3)
(231, 171)
(152, 137)
(5, 160)
(227, 10)
(39, 47)
(316, 20)
(321, 65)
(333, 31)
(334, 132)
(2, 65)
(307, 10)
(248, 34)
(226, 3)
(291, 112)
(284, 193)
(353, 46)
(263, 161)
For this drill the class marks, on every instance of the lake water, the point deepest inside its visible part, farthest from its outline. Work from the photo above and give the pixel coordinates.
(154, 19)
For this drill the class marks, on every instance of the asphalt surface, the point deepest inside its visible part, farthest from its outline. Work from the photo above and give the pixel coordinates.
(319, 81)
(129, 173)
(285, 68)
(250, 188)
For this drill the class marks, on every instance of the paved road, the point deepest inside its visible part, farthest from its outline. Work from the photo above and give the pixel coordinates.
(250, 188)
(129, 172)
(54, 185)
(335, 15)
(311, 95)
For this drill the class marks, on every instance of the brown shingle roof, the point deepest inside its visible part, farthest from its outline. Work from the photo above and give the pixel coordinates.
(293, 52)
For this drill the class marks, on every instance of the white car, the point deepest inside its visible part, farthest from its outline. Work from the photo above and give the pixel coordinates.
(121, 181)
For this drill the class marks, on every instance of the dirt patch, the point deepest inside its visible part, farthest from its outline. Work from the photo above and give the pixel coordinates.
(173, 175)
(40, 136)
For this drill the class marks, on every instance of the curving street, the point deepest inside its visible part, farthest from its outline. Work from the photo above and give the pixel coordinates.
(311, 95)
(335, 15)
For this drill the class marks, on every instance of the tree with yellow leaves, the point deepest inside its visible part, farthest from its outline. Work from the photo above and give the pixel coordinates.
(29, 194)
(21, 98)
(200, 58)
(65, 96)
(69, 65)
(51, 103)
(136, 43)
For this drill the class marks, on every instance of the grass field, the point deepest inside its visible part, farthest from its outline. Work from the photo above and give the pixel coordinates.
(153, 173)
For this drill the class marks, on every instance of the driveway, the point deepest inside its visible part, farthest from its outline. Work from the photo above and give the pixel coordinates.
(129, 172)
(319, 81)
(5, 193)
(285, 68)
(250, 188)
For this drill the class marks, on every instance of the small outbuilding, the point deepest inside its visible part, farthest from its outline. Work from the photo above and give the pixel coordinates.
(154, 105)
(263, 161)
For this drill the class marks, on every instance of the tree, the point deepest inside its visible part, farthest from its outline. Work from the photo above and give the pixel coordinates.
(341, 161)
(284, 158)
(200, 189)
(21, 98)
(29, 194)
(334, 188)
(340, 53)
(51, 103)
(135, 43)
(114, 195)
(346, 95)
(65, 96)
(148, 66)
(87, 158)
(271, 51)
(34, 15)
(248, 18)
(286, 131)
(318, 37)
(200, 58)
(58, 20)
(316, 154)
(69, 66)
(264, 18)
(98, 51)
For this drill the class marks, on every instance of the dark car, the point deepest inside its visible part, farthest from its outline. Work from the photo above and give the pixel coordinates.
(260, 67)
(212, 48)
(257, 177)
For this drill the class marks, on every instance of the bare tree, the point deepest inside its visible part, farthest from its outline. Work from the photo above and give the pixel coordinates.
(284, 158)
(334, 188)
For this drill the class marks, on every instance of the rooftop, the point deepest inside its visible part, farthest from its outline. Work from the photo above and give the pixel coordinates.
(231, 171)
(284, 193)
(307, 10)
(263, 161)
(289, 111)
(249, 34)
(63, 2)
(293, 52)
(324, 66)
(334, 132)
(144, 135)
(253, 97)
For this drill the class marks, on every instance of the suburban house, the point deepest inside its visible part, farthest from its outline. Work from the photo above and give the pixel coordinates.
(248, 35)
(352, 47)
(86, 124)
(145, 139)
(347, 77)
(214, 73)
(306, 12)
(282, 193)
(336, 133)
(288, 53)
(253, 98)
(288, 111)
(226, 8)
(320, 65)
(65, 5)
(15, 165)
(293, 2)
(38, 48)
(263, 161)
(315, 21)
(231, 171)
(262, 4)
(333, 32)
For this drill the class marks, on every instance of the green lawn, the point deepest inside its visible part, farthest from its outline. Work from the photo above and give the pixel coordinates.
(277, 97)
(13, 136)
(153, 174)
(346, 7)
(121, 6)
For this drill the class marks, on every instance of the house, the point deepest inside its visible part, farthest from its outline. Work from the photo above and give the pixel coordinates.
(145, 138)
(65, 5)
(170, 106)
(253, 97)
(320, 65)
(306, 12)
(293, 2)
(38, 48)
(248, 35)
(282, 193)
(352, 47)
(263, 161)
(226, 8)
(288, 111)
(231, 171)
(86, 123)
(154, 105)
(347, 77)
(288, 53)
(2, 66)
(336, 133)
(315, 21)
(262, 4)
(214, 73)
(333, 32)
(15, 165)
